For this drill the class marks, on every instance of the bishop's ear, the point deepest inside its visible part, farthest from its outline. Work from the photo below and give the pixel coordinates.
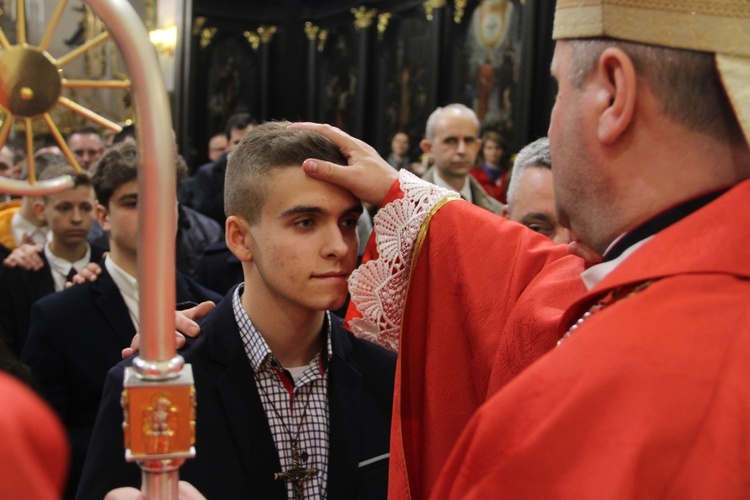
(238, 239)
(616, 94)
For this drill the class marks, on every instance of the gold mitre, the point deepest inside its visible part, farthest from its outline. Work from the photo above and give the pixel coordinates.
(718, 26)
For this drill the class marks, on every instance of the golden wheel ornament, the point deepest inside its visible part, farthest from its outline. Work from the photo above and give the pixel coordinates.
(32, 84)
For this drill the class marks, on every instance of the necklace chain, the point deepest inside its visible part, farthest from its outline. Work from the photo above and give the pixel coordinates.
(612, 297)
(296, 473)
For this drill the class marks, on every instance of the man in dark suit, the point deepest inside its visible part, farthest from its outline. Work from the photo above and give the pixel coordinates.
(69, 215)
(77, 335)
(280, 385)
(218, 268)
(206, 187)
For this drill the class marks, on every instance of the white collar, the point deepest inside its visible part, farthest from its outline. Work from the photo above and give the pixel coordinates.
(465, 191)
(61, 268)
(128, 286)
(20, 226)
(596, 273)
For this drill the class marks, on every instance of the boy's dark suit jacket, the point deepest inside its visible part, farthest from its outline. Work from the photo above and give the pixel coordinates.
(236, 456)
(19, 289)
(75, 337)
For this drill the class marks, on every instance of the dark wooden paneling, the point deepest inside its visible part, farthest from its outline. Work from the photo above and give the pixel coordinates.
(370, 85)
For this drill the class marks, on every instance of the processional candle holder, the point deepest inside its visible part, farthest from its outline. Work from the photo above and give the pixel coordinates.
(159, 396)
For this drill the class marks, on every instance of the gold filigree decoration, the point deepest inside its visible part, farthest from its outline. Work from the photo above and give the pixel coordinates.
(253, 39)
(459, 10)
(322, 39)
(363, 17)
(311, 31)
(383, 20)
(198, 24)
(207, 35)
(267, 32)
(430, 6)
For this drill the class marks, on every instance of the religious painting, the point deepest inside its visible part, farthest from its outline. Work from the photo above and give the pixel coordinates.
(493, 54)
(338, 78)
(403, 57)
(233, 80)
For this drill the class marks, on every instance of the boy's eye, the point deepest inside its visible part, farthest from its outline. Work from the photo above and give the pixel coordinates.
(304, 223)
(350, 222)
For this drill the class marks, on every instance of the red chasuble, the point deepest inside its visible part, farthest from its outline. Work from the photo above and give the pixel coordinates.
(484, 300)
(649, 397)
(33, 447)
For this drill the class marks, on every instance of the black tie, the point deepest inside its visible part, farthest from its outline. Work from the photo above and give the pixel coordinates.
(71, 273)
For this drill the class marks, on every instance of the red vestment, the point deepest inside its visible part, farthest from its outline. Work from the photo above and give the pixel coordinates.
(648, 398)
(33, 447)
(484, 298)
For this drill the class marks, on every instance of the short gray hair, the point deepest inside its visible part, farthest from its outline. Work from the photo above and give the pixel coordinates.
(676, 77)
(535, 154)
(429, 131)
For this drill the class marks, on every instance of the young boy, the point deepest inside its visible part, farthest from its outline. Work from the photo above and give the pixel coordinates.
(277, 377)
(69, 216)
(76, 336)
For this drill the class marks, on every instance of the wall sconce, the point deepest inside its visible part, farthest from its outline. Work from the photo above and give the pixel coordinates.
(164, 39)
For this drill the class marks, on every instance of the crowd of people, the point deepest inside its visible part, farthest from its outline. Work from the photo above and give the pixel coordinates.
(571, 325)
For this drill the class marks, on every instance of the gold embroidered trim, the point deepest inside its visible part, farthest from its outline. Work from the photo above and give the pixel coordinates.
(423, 234)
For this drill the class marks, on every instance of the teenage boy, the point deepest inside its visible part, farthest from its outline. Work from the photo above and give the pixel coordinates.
(69, 216)
(76, 336)
(278, 379)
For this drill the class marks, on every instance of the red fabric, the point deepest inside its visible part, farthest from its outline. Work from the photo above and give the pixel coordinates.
(33, 447)
(648, 398)
(481, 286)
(497, 191)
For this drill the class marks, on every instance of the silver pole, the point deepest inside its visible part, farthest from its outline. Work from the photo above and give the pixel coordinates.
(159, 397)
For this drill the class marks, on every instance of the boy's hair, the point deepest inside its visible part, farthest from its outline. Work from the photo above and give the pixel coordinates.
(264, 149)
(55, 170)
(127, 131)
(117, 166)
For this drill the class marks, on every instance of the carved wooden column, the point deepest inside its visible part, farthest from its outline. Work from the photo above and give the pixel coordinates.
(266, 34)
(311, 32)
(362, 21)
(384, 59)
(435, 12)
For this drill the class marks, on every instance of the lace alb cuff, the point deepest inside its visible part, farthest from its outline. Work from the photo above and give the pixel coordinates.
(378, 287)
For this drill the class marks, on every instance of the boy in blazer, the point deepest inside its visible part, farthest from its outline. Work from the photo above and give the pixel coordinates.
(69, 216)
(278, 379)
(77, 335)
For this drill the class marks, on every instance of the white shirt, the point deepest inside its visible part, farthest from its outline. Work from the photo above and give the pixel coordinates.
(594, 274)
(465, 191)
(128, 287)
(61, 268)
(19, 227)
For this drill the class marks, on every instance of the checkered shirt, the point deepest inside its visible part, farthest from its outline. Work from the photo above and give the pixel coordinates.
(278, 390)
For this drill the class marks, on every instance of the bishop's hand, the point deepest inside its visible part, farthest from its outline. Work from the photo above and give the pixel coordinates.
(368, 176)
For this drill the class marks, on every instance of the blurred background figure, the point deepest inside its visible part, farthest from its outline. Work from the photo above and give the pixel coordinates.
(399, 155)
(531, 200)
(492, 170)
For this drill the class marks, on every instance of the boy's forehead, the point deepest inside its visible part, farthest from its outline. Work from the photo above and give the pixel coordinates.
(75, 193)
(126, 188)
(291, 186)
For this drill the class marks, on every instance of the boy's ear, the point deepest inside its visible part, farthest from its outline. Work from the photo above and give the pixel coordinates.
(102, 217)
(38, 208)
(237, 232)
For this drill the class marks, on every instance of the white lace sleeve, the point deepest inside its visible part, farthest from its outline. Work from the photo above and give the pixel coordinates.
(378, 287)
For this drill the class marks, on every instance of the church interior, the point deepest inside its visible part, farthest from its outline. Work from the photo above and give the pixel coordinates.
(368, 67)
